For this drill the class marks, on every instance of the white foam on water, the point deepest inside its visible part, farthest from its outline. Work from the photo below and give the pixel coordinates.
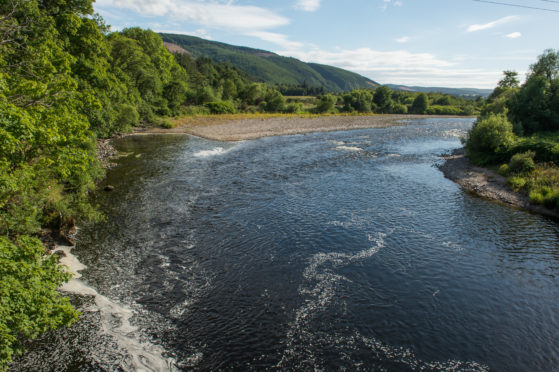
(321, 296)
(349, 148)
(115, 321)
(302, 340)
(207, 153)
(454, 133)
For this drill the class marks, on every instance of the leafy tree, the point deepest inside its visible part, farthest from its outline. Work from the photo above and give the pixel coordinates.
(509, 80)
(535, 107)
(383, 100)
(275, 102)
(420, 104)
(326, 103)
(358, 100)
(29, 301)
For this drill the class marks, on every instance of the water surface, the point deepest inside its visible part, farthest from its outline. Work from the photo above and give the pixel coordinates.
(327, 251)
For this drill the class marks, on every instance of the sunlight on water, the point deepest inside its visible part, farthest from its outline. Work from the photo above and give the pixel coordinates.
(328, 251)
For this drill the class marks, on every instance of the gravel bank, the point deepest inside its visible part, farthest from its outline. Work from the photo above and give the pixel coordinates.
(246, 129)
(486, 183)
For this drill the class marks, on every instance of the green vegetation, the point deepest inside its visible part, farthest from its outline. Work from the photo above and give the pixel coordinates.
(272, 69)
(518, 128)
(65, 81)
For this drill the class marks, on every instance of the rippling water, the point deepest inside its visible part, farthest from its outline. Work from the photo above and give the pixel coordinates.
(327, 251)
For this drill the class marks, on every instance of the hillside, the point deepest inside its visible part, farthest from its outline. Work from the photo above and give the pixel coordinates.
(460, 92)
(272, 68)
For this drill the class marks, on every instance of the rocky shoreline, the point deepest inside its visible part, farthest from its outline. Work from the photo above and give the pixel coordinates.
(486, 183)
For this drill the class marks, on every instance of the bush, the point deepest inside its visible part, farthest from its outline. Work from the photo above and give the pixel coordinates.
(523, 162)
(536, 197)
(503, 170)
(295, 108)
(489, 139)
(444, 110)
(221, 107)
(398, 108)
(516, 183)
(166, 123)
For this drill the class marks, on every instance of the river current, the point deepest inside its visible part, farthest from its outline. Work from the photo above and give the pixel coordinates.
(325, 251)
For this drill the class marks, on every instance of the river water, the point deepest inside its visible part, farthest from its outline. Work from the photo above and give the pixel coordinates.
(325, 251)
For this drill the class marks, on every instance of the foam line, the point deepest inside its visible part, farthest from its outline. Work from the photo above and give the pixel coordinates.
(144, 356)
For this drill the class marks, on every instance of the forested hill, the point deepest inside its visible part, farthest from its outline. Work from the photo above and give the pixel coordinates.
(271, 68)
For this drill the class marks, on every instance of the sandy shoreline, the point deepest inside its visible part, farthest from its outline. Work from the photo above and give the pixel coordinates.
(486, 183)
(253, 128)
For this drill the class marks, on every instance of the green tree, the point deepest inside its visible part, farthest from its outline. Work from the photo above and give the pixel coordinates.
(509, 80)
(29, 301)
(420, 104)
(535, 107)
(275, 102)
(383, 100)
(326, 103)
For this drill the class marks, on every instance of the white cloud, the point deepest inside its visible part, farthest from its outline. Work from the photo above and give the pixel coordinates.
(276, 38)
(400, 67)
(386, 3)
(501, 21)
(308, 5)
(208, 14)
(403, 39)
(513, 35)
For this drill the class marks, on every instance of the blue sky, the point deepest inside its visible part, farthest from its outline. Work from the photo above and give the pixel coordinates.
(452, 43)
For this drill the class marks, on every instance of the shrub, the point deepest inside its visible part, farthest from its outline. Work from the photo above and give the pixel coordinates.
(295, 108)
(489, 138)
(221, 107)
(536, 197)
(166, 123)
(398, 108)
(523, 162)
(503, 170)
(516, 183)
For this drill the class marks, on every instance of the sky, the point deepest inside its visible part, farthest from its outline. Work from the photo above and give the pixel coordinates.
(450, 43)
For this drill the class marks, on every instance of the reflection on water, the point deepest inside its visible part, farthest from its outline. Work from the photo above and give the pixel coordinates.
(344, 250)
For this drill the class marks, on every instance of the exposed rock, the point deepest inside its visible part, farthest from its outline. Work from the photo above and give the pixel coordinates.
(105, 152)
(67, 233)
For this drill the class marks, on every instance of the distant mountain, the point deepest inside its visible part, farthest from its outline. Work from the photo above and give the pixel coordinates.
(461, 92)
(269, 67)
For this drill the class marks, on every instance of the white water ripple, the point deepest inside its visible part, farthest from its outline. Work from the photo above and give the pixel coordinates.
(115, 321)
(302, 340)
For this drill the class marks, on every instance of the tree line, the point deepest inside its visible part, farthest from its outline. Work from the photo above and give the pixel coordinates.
(518, 130)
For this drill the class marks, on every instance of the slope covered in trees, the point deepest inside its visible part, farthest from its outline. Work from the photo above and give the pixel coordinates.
(270, 68)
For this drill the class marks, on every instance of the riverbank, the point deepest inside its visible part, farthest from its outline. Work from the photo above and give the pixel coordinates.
(246, 127)
(486, 183)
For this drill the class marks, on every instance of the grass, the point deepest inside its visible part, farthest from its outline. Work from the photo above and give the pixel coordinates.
(211, 119)
(540, 184)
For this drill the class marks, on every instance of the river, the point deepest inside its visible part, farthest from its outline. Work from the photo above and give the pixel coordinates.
(325, 251)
